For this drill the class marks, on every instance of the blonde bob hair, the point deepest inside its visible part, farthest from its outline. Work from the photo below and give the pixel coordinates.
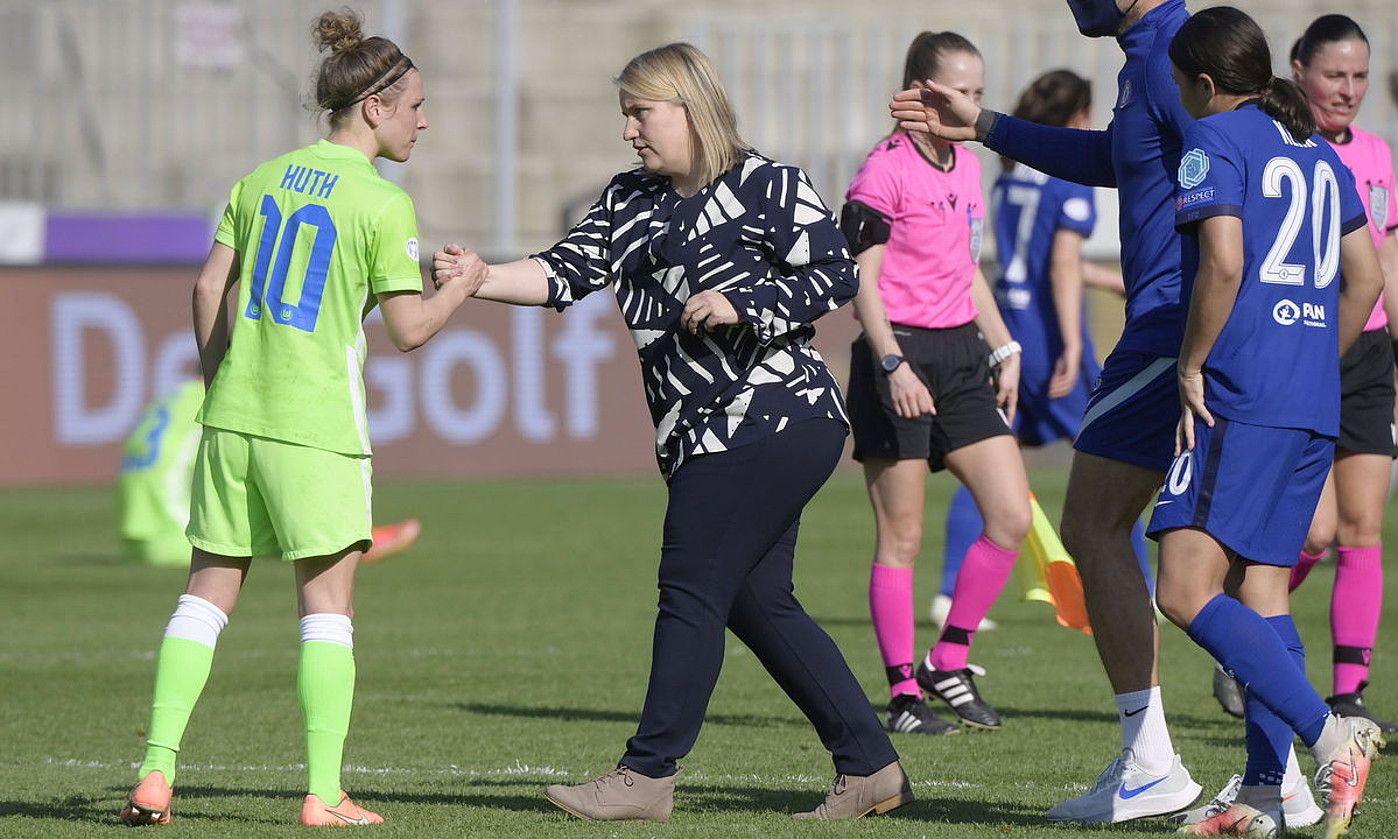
(680, 73)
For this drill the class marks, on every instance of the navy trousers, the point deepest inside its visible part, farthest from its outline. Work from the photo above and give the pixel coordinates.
(726, 561)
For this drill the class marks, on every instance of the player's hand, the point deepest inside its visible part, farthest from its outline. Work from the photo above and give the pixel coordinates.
(1066, 373)
(937, 110)
(446, 263)
(911, 398)
(454, 263)
(1007, 387)
(706, 310)
(1191, 407)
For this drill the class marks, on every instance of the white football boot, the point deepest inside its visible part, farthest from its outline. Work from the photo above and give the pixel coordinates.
(1124, 791)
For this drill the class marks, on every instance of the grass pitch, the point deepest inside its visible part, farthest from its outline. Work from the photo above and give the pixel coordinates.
(509, 650)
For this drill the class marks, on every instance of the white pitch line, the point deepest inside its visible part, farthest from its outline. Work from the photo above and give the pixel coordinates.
(518, 769)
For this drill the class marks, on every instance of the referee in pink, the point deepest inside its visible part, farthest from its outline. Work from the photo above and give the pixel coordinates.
(922, 394)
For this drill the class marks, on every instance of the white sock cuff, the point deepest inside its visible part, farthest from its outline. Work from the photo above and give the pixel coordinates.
(196, 619)
(328, 627)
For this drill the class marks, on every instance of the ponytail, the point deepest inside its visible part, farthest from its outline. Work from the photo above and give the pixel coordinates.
(1283, 101)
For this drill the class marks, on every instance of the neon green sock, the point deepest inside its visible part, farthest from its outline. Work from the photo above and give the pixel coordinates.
(325, 686)
(181, 670)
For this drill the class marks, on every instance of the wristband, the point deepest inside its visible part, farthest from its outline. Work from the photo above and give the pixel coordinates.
(1004, 352)
(985, 123)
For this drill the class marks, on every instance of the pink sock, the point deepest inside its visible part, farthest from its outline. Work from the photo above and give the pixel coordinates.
(1304, 563)
(1354, 613)
(891, 607)
(983, 574)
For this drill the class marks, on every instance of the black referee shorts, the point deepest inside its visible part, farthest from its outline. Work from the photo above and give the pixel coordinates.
(1366, 396)
(954, 364)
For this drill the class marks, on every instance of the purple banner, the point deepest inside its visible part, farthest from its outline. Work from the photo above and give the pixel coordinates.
(112, 239)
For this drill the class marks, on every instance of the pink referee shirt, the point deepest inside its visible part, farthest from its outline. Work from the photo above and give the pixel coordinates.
(935, 242)
(1371, 161)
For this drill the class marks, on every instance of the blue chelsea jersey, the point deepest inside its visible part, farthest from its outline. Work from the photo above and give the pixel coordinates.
(1028, 209)
(1148, 124)
(1277, 361)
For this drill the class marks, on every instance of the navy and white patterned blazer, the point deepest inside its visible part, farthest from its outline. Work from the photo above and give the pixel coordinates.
(761, 236)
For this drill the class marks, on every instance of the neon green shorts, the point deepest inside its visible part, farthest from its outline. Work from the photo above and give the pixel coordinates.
(253, 496)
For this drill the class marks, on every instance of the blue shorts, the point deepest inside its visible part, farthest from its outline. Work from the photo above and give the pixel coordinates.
(1133, 411)
(1251, 487)
(1040, 420)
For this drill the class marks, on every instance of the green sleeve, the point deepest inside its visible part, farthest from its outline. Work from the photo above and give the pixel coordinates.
(227, 232)
(393, 258)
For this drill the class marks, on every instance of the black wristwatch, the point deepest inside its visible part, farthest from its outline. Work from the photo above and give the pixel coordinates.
(891, 362)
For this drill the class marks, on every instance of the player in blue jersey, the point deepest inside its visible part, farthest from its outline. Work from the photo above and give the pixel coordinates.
(1040, 223)
(1126, 440)
(1281, 276)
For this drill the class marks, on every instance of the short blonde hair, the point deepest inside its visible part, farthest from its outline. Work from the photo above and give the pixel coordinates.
(680, 73)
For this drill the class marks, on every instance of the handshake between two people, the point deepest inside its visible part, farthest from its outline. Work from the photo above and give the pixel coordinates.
(454, 263)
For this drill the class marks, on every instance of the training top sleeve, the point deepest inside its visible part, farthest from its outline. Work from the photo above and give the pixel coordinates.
(1352, 213)
(1390, 223)
(581, 263)
(227, 231)
(1078, 210)
(1211, 176)
(393, 254)
(1083, 157)
(876, 184)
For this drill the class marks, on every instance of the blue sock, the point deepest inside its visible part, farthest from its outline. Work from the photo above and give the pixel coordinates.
(1249, 648)
(1138, 544)
(964, 527)
(1268, 738)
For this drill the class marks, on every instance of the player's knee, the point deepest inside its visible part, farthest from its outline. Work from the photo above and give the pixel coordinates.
(899, 543)
(1009, 526)
(1321, 535)
(1176, 603)
(1357, 531)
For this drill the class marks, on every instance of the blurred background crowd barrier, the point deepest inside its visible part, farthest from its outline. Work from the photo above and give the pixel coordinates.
(128, 121)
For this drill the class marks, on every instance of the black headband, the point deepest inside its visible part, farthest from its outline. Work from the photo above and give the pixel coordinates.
(389, 79)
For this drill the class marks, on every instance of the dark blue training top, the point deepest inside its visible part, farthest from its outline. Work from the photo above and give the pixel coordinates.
(1138, 154)
(1277, 361)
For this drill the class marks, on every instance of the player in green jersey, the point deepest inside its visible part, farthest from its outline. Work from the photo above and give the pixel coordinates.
(312, 240)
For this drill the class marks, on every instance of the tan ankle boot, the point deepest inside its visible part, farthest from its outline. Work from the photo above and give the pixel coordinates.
(853, 796)
(619, 795)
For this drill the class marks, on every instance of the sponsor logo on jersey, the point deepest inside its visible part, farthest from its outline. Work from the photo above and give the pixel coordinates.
(1286, 312)
(411, 245)
(1194, 168)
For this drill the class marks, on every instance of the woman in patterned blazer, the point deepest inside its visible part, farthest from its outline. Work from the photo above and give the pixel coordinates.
(721, 260)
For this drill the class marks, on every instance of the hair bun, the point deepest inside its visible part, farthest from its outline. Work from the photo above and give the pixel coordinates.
(339, 31)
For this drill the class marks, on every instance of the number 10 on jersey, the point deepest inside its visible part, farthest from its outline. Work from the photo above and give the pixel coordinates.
(266, 293)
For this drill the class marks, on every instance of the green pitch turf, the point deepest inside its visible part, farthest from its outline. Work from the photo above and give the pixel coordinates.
(509, 650)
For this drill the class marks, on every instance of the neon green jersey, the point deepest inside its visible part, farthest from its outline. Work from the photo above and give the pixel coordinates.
(156, 461)
(318, 233)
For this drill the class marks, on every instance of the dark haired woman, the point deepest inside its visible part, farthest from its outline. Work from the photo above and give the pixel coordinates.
(1283, 277)
(283, 467)
(1331, 64)
(922, 395)
(1040, 224)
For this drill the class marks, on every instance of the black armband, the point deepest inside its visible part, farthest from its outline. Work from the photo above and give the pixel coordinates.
(864, 226)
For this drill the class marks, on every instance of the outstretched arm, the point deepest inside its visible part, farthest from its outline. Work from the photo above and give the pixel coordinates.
(1083, 157)
(412, 320)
